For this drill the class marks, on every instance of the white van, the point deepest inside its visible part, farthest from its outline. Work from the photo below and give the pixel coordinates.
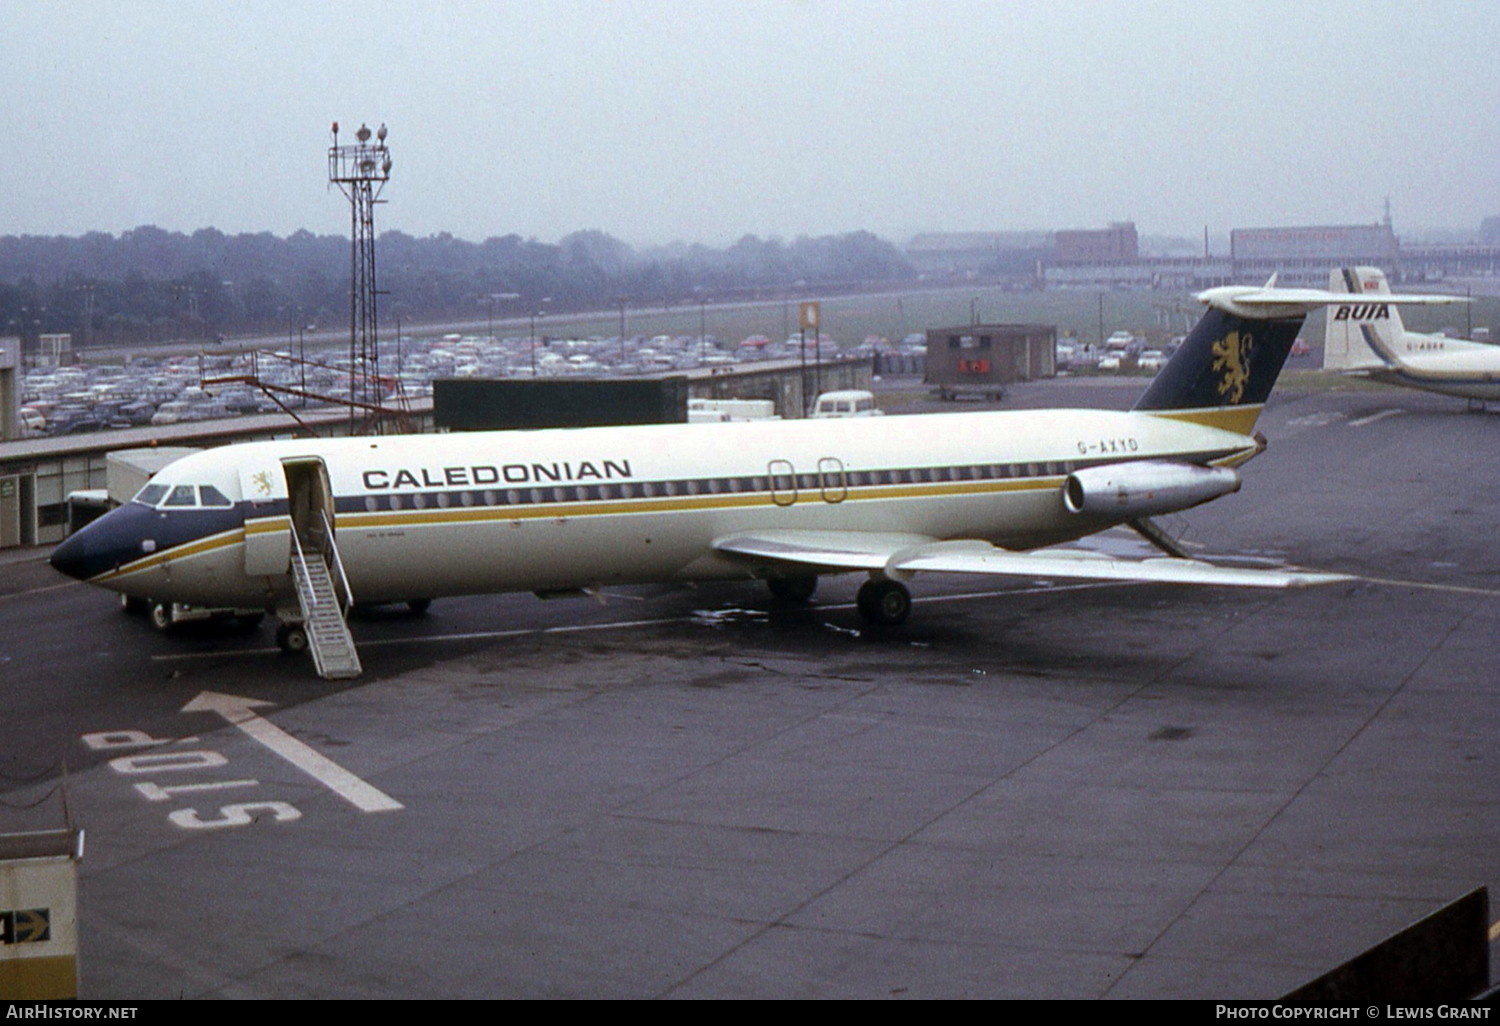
(852, 403)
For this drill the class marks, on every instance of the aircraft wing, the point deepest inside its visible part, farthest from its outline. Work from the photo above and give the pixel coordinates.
(901, 555)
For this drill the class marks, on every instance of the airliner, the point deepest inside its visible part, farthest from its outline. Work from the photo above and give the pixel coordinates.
(306, 528)
(1364, 337)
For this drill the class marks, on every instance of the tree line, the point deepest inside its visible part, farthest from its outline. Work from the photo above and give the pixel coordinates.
(150, 285)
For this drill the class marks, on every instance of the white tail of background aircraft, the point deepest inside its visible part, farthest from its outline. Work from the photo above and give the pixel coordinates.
(1365, 337)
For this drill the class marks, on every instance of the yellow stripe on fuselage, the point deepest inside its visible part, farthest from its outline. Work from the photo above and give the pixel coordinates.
(1239, 419)
(196, 547)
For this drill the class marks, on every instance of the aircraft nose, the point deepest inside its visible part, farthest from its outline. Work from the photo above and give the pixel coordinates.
(71, 557)
(113, 539)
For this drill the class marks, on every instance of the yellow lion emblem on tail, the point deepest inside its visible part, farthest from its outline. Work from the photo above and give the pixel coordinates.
(1232, 364)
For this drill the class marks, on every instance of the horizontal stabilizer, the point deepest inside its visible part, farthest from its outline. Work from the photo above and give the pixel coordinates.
(1271, 302)
(900, 556)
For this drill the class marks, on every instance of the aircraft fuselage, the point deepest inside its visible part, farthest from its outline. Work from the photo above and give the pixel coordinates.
(426, 516)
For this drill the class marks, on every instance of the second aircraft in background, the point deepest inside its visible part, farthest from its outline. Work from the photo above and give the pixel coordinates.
(1365, 338)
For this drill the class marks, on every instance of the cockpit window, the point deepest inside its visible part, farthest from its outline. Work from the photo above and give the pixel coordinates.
(213, 497)
(151, 494)
(182, 495)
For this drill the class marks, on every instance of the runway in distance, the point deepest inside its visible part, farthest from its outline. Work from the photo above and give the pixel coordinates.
(306, 528)
(1366, 338)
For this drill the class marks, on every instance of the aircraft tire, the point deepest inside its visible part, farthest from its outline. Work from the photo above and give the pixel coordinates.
(884, 602)
(291, 638)
(797, 588)
(160, 615)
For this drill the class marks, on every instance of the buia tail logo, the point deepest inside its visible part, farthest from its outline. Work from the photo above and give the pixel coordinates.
(1363, 312)
(1232, 364)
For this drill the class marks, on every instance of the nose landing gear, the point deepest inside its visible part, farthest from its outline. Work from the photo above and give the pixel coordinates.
(291, 638)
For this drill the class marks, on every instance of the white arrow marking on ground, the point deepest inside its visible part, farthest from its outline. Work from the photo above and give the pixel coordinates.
(239, 711)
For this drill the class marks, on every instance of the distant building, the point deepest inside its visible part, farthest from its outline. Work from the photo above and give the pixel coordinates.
(1117, 244)
(54, 350)
(1297, 256)
(987, 254)
(1303, 256)
(10, 388)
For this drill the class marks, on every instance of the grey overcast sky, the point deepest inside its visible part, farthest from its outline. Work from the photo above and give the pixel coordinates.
(704, 120)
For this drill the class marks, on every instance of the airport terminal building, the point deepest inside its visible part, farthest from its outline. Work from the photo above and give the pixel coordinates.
(1110, 258)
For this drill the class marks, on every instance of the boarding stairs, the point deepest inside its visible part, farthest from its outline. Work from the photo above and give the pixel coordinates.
(323, 614)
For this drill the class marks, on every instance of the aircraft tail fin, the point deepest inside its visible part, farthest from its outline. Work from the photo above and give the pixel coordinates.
(1364, 333)
(1223, 372)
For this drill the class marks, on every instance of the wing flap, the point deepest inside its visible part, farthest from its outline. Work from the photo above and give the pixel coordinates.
(902, 555)
(1071, 564)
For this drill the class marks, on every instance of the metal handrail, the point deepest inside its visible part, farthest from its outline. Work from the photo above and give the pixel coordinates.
(310, 599)
(338, 561)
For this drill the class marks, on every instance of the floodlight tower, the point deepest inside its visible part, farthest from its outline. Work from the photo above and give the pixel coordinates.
(361, 171)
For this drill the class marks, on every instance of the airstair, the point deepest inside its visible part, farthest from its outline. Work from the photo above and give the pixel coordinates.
(323, 612)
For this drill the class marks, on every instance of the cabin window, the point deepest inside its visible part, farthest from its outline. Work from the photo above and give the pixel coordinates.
(371, 503)
(151, 494)
(466, 498)
(395, 502)
(419, 501)
(443, 500)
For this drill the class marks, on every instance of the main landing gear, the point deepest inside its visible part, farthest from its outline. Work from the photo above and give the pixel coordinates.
(884, 602)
